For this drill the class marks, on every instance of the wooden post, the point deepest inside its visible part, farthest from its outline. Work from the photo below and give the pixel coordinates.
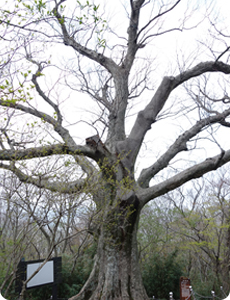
(54, 292)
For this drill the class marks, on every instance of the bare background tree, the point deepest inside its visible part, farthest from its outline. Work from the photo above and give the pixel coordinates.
(54, 49)
(38, 224)
(187, 231)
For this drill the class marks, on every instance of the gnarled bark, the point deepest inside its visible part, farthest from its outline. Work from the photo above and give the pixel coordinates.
(116, 273)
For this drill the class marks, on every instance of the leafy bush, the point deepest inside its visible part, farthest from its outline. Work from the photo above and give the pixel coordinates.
(161, 275)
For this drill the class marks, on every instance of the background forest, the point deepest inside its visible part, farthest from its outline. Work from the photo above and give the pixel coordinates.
(185, 233)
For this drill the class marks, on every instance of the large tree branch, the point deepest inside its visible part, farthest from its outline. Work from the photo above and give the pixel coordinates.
(178, 146)
(78, 152)
(132, 33)
(196, 171)
(29, 110)
(47, 150)
(121, 75)
(144, 120)
(69, 145)
(43, 182)
(201, 68)
(35, 152)
(106, 62)
(148, 116)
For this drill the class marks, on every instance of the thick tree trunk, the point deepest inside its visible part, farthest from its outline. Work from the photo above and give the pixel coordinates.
(116, 274)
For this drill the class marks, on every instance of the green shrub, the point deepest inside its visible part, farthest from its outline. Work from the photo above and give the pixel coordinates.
(161, 275)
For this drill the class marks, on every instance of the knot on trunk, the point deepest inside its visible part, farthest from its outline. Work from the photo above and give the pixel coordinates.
(95, 143)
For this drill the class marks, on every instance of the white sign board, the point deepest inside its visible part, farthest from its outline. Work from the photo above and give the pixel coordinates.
(185, 292)
(44, 276)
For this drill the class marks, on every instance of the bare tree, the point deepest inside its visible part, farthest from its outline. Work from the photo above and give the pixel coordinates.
(106, 69)
(37, 224)
(203, 227)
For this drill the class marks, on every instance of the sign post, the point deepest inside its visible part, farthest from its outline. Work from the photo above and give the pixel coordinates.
(185, 284)
(50, 273)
